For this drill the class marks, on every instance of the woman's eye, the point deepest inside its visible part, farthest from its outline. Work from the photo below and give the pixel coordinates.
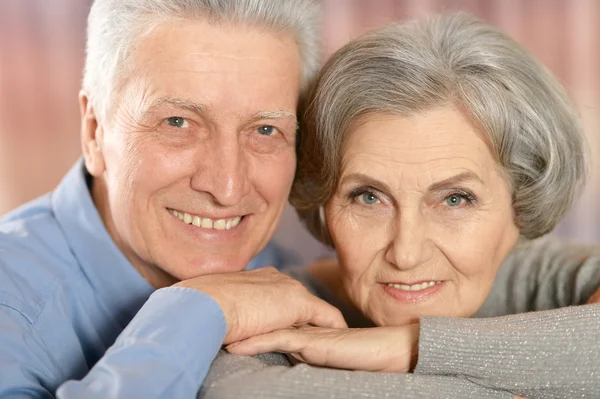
(178, 122)
(368, 198)
(455, 200)
(266, 130)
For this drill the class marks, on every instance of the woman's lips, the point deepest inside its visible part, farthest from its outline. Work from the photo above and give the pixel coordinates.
(412, 292)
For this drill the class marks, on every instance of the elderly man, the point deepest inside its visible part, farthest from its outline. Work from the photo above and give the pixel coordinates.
(188, 136)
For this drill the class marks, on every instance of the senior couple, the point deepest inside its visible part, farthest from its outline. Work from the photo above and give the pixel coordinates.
(428, 154)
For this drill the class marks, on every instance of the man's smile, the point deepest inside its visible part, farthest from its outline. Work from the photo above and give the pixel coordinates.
(205, 222)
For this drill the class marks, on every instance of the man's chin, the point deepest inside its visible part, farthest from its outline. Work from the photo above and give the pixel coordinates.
(204, 266)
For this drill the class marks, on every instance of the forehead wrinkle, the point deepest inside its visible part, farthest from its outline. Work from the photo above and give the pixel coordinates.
(373, 158)
(412, 145)
(229, 57)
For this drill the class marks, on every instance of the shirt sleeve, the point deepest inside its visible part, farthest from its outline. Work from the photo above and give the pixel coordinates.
(26, 367)
(270, 376)
(545, 354)
(165, 352)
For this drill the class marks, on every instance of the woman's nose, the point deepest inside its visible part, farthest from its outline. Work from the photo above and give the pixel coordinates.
(409, 244)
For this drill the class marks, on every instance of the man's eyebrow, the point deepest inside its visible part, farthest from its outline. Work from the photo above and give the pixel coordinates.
(277, 114)
(192, 106)
(454, 180)
(201, 109)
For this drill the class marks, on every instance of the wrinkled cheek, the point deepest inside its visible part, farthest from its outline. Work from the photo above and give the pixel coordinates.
(475, 293)
(356, 288)
(274, 182)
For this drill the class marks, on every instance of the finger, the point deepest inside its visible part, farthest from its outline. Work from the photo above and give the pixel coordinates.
(595, 298)
(284, 341)
(322, 314)
(295, 358)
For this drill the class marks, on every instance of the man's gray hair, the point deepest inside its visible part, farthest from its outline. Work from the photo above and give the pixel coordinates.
(457, 60)
(115, 26)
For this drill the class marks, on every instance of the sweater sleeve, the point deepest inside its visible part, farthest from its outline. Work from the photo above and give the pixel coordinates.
(546, 354)
(271, 376)
(547, 274)
(537, 352)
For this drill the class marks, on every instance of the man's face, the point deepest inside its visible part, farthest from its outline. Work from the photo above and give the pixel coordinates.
(197, 152)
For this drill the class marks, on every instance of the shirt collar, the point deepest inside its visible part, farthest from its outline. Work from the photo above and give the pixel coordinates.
(114, 279)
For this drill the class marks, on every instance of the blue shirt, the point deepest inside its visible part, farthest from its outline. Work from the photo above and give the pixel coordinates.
(78, 321)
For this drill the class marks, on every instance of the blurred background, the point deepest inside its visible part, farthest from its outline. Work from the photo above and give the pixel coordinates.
(42, 52)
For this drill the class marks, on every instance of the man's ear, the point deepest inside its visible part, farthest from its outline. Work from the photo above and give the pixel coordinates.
(91, 137)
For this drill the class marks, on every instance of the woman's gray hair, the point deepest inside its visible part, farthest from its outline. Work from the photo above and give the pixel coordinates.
(115, 26)
(455, 59)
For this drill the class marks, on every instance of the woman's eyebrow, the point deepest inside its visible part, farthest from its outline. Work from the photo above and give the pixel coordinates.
(454, 180)
(365, 180)
(201, 109)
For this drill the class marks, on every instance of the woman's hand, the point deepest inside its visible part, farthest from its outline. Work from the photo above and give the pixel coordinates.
(595, 298)
(388, 349)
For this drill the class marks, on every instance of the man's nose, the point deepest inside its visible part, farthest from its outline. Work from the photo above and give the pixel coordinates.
(410, 245)
(222, 170)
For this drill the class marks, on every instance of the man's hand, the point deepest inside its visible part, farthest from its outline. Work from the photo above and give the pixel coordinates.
(264, 300)
(387, 349)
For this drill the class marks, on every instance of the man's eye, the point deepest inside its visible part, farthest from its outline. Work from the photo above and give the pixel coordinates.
(178, 122)
(266, 130)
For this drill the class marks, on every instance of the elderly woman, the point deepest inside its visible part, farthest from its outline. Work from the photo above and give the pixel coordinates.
(430, 151)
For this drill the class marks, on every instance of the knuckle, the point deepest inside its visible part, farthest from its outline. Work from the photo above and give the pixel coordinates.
(267, 270)
(295, 284)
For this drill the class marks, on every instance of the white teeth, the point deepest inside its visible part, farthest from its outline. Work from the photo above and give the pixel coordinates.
(414, 287)
(206, 223)
(219, 224)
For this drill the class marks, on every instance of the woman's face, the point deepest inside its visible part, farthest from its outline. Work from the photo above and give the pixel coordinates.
(422, 217)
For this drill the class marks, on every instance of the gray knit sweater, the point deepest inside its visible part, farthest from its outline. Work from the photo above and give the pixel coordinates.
(515, 345)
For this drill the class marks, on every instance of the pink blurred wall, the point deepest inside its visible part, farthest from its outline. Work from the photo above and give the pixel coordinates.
(41, 57)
